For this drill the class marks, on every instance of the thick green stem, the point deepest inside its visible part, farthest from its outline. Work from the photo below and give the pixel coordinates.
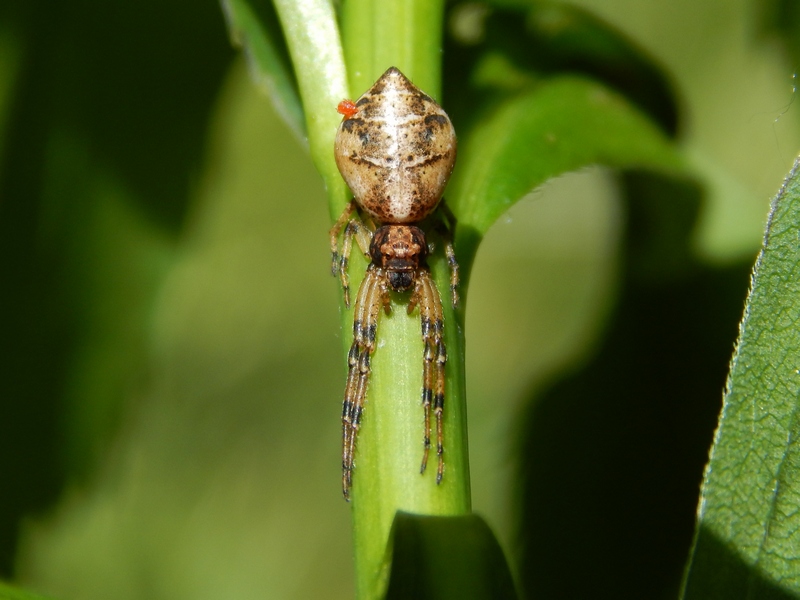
(405, 34)
(316, 50)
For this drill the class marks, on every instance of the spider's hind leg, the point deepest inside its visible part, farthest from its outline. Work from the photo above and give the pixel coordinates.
(445, 229)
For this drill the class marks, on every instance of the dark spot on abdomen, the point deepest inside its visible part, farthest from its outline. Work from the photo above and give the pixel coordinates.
(350, 124)
(436, 121)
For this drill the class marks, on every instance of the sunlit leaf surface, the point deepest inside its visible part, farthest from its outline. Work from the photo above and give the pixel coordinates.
(748, 540)
(559, 126)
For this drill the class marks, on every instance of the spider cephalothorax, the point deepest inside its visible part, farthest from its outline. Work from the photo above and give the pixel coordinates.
(400, 250)
(395, 149)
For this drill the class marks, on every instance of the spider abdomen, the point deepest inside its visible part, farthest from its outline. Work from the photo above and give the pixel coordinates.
(396, 152)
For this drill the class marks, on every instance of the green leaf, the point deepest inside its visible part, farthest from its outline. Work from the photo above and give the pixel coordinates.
(254, 27)
(446, 558)
(12, 593)
(781, 18)
(747, 543)
(559, 126)
(546, 39)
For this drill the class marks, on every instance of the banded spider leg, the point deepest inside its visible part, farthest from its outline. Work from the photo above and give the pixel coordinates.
(397, 256)
(353, 227)
(372, 295)
(426, 295)
(445, 224)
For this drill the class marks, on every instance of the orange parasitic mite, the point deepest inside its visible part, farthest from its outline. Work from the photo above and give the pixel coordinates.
(347, 108)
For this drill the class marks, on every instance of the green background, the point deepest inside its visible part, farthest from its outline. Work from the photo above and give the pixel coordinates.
(171, 366)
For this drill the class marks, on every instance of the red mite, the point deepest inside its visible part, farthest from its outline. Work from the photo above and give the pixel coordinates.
(347, 108)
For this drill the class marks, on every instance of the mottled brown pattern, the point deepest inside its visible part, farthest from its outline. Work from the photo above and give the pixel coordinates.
(395, 119)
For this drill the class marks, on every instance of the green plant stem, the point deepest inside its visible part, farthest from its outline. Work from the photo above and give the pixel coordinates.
(377, 35)
(406, 34)
(316, 51)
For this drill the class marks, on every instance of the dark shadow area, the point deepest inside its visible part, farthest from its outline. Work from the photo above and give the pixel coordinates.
(133, 83)
(612, 455)
(447, 558)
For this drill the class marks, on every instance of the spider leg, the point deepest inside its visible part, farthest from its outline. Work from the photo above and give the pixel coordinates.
(353, 226)
(446, 231)
(426, 295)
(451, 259)
(334, 235)
(372, 296)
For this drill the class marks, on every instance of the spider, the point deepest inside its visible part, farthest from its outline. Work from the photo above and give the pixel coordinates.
(395, 148)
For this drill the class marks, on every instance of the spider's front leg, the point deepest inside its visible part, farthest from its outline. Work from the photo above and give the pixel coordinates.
(353, 227)
(426, 295)
(372, 295)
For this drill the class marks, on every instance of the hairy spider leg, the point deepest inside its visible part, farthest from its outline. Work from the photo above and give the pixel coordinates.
(451, 260)
(445, 229)
(334, 234)
(372, 295)
(353, 226)
(426, 295)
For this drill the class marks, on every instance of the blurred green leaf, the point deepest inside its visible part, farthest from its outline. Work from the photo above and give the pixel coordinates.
(559, 126)
(446, 558)
(12, 593)
(254, 27)
(224, 482)
(781, 17)
(567, 38)
(312, 42)
(748, 539)
(104, 128)
(545, 39)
